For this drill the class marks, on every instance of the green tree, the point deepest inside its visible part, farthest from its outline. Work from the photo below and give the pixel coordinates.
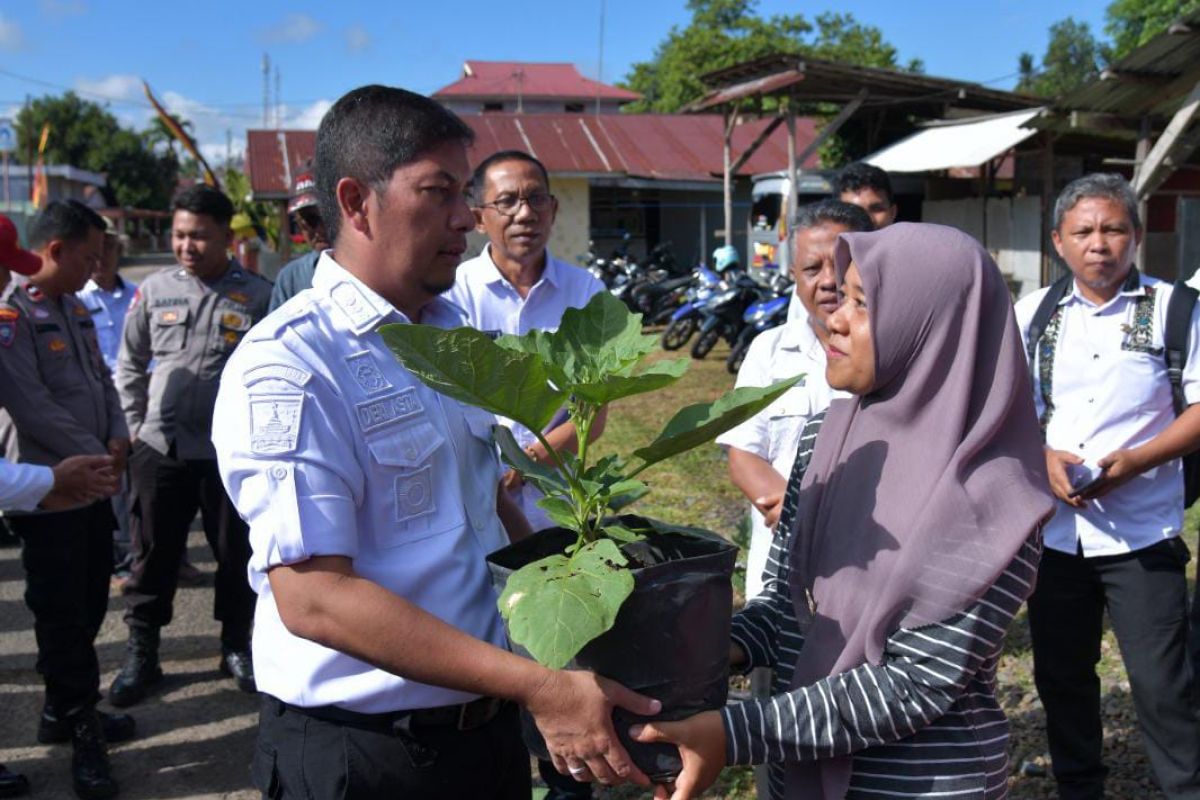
(84, 134)
(1132, 23)
(1073, 59)
(722, 33)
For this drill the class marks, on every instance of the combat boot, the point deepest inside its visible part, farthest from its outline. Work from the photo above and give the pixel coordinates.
(140, 670)
(91, 774)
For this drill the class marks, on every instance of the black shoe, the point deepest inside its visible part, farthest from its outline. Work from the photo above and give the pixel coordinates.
(116, 728)
(140, 670)
(12, 784)
(90, 772)
(238, 665)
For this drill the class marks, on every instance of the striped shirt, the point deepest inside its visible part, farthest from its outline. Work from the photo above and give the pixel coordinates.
(923, 723)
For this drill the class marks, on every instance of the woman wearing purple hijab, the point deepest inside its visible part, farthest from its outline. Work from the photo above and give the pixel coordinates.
(909, 538)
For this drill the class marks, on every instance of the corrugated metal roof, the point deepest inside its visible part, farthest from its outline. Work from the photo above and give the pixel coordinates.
(956, 143)
(1152, 80)
(834, 82)
(509, 79)
(666, 147)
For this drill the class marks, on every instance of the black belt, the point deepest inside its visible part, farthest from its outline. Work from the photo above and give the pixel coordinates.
(464, 716)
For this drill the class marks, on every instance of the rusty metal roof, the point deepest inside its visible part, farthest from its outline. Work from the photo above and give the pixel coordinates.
(512, 79)
(666, 147)
(1150, 81)
(811, 80)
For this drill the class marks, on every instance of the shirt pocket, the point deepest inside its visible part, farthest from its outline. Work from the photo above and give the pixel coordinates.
(785, 420)
(168, 329)
(417, 502)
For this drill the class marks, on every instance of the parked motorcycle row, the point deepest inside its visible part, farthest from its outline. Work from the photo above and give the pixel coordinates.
(725, 302)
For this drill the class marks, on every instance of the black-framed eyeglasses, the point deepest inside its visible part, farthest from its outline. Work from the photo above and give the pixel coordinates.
(308, 216)
(509, 205)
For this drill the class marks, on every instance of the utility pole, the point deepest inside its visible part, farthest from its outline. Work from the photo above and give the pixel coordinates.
(266, 86)
(520, 76)
(228, 148)
(278, 99)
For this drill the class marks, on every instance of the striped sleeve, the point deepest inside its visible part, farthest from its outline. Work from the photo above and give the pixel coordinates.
(766, 628)
(923, 672)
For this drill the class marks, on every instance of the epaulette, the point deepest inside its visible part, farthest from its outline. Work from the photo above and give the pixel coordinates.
(287, 315)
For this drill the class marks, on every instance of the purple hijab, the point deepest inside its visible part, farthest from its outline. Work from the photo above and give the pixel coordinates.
(919, 493)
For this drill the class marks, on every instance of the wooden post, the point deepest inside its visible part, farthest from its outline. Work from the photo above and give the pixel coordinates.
(1143, 150)
(1047, 206)
(793, 167)
(730, 122)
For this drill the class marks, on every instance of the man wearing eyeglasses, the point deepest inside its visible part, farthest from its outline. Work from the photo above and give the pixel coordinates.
(297, 274)
(515, 285)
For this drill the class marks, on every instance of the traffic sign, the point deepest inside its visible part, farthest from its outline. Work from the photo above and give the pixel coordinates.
(8, 136)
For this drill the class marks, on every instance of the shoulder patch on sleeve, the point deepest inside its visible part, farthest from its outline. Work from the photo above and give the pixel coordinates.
(8, 326)
(281, 372)
(275, 423)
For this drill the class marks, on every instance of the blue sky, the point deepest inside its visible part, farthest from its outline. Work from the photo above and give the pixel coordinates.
(204, 60)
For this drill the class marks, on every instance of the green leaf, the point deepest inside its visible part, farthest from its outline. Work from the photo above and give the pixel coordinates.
(544, 477)
(467, 365)
(626, 492)
(557, 605)
(617, 531)
(614, 387)
(596, 341)
(560, 510)
(703, 422)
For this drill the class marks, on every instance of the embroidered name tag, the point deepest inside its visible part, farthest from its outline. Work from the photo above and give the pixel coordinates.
(164, 302)
(281, 372)
(414, 494)
(374, 414)
(367, 374)
(275, 423)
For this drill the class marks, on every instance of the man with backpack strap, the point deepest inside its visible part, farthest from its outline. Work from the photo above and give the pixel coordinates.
(1105, 388)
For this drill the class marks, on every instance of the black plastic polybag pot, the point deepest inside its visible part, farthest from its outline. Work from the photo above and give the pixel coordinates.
(670, 640)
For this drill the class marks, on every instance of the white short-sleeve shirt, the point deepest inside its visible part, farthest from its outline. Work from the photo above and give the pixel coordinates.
(1110, 391)
(774, 433)
(328, 446)
(108, 311)
(22, 486)
(494, 306)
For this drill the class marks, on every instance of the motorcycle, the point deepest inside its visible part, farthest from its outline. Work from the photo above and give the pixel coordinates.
(723, 314)
(686, 318)
(761, 316)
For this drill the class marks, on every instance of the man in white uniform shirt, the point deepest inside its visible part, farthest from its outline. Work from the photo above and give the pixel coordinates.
(762, 449)
(1104, 400)
(372, 502)
(515, 285)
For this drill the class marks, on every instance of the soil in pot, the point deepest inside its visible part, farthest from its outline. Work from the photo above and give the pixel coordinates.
(670, 639)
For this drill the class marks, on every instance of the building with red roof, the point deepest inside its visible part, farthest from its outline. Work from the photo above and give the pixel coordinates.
(527, 88)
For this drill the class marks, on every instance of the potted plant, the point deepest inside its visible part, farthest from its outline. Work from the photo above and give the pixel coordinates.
(640, 601)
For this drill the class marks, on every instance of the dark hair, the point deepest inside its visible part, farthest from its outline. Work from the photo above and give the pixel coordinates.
(204, 199)
(480, 174)
(1109, 185)
(64, 221)
(832, 211)
(860, 175)
(372, 130)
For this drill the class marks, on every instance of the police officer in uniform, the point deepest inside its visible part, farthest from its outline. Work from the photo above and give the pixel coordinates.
(59, 401)
(188, 319)
(372, 501)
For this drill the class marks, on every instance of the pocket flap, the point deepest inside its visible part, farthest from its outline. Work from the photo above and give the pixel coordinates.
(407, 446)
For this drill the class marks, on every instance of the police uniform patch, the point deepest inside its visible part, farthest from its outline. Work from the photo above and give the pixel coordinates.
(281, 372)
(57, 345)
(231, 337)
(80, 311)
(235, 321)
(275, 423)
(40, 313)
(239, 297)
(367, 374)
(414, 494)
(8, 326)
(169, 317)
(374, 414)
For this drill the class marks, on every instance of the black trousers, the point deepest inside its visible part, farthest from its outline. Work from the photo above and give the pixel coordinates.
(1145, 593)
(165, 494)
(68, 561)
(301, 757)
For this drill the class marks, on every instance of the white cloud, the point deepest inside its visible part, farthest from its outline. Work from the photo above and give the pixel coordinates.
(62, 8)
(119, 88)
(294, 29)
(307, 118)
(11, 36)
(357, 39)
